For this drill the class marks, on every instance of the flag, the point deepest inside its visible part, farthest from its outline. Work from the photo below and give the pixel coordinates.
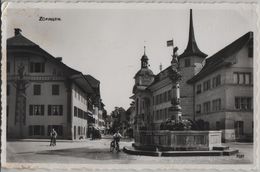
(169, 43)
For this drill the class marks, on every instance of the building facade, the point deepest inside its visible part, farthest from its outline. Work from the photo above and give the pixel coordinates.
(44, 93)
(216, 90)
(224, 90)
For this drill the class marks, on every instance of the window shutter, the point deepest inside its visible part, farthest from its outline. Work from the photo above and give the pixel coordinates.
(42, 130)
(42, 110)
(49, 110)
(49, 129)
(31, 67)
(43, 67)
(31, 110)
(61, 130)
(30, 130)
(61, 110)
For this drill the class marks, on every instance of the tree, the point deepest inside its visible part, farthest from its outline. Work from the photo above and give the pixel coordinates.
(118, 115)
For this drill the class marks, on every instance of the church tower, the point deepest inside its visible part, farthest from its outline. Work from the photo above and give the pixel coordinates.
(142, 97)
(190, 63)
(144, 77)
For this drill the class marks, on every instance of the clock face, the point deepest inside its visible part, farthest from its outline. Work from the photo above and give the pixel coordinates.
(146, 79)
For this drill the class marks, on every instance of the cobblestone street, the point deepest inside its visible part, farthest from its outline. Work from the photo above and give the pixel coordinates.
(97, 151)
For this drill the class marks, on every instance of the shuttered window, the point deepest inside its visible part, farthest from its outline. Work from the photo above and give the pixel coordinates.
(36, 110)
(55, 110)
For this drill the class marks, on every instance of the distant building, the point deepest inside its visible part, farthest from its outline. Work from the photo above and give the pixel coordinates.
(44, 93)
(96, 105)
(217, 90)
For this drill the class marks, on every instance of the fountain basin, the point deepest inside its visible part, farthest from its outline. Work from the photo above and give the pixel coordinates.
(165, 140)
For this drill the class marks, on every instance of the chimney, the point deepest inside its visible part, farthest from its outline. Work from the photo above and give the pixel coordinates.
(17, 31)
(59, 59)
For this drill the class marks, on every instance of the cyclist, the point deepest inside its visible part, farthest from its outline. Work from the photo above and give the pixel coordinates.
(117, 136)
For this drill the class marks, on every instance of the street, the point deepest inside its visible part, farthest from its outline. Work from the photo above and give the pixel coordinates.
(97, 151)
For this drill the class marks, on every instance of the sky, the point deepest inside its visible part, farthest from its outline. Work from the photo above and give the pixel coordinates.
(108, 43)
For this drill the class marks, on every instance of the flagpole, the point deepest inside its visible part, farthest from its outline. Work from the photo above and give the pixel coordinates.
(172, 48)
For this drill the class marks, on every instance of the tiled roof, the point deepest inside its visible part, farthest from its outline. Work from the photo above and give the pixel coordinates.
(218, 60)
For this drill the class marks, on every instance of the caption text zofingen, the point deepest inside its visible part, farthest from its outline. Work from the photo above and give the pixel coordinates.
(49, 18)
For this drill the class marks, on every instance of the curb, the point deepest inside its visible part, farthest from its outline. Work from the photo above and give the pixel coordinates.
(133, 151)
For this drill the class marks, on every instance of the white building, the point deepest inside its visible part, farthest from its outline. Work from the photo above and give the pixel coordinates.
(54, 95)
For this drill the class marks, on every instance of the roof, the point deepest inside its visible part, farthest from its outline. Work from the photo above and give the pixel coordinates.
(167, 72)
(218, 60)
(20, 40)
(144, 71)
(27, 46)
(93, 81)
(192, 47)
(19, 43)
(144, 57)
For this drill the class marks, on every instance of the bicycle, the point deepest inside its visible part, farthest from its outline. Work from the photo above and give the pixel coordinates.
(114, 146)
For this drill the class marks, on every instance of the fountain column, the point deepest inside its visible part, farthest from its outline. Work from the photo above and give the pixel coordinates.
(175, 110)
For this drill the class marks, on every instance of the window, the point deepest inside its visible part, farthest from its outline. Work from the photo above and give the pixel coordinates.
(199, 89)
(80, 113)
(165, 113)
(165, 96)
(36, 110)
(243, 103)
(218, 125)
(8, 67)
(36, 89)
(37, 67)
(169, 95)
(206, 85)
(239, 128)
(57, 128)
(206, 125)
(161, 114)
(55, 89)
(216, 105)
(187, 63)
(216, 81)
(242, 78)
(55, 110)
(36, 130)
(54, 72)
(78, 130)
(157, 115)
(75, 111)
(198, 109)
(206, 107)
(8, 89)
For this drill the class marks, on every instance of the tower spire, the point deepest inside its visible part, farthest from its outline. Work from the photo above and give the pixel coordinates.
(144, 59)
(192, 47)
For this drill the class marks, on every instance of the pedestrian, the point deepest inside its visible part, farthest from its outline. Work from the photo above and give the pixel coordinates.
(53, 135)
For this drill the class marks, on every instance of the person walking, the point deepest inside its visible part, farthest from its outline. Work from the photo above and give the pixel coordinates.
(53, 135)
